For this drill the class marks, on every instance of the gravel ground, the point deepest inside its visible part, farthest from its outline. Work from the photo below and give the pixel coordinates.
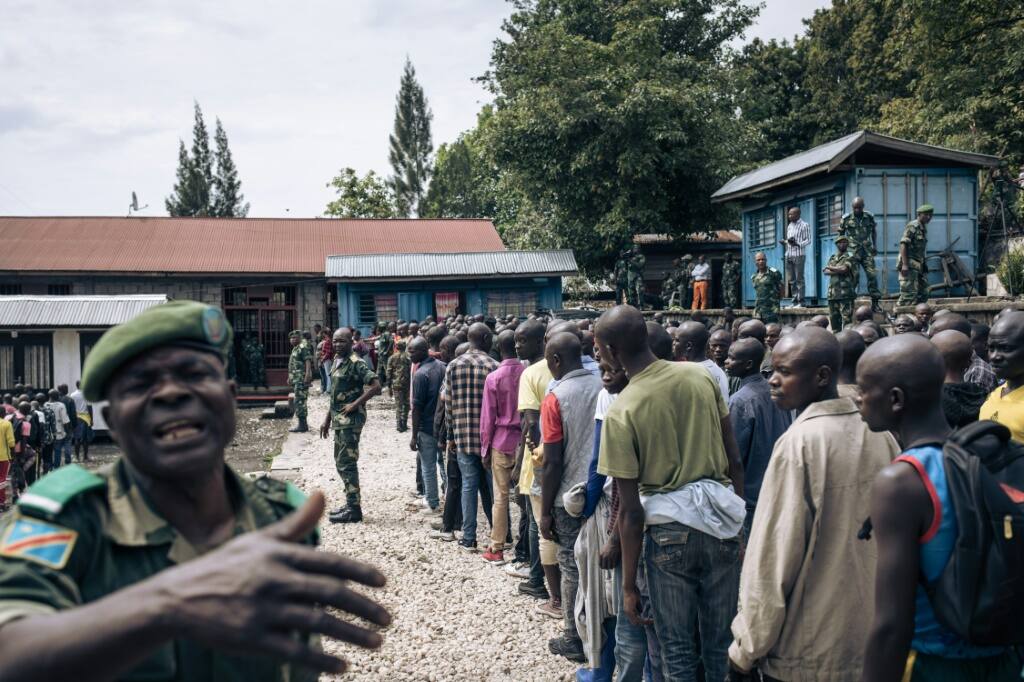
(455, 617)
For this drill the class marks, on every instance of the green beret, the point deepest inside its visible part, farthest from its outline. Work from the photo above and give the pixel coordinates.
(841, 238)
(176, 323)
(926, 208)
(295, 332)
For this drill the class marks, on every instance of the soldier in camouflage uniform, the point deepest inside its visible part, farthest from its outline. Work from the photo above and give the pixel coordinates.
(860, 227)
(399, 368)
(913, 250)
(621, 276)
(300, 375)
(385, 347)
(252, 354)
(353, 383)
(669, 285)
(730, 282)
(637, 263)
(842, 283)
(767, 290)
(685, 281)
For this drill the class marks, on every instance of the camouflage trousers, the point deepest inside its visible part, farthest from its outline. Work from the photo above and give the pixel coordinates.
(840, 313)
(864, 260)
(382, 370)
(301, 390)
(402, 407)
(766, 314)
(729, 297)
(634, 292)
(346, 460)
(913, 287)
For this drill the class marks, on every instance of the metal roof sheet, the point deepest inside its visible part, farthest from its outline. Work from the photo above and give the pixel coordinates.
(450, 265)
(223, 245)
(826, 157)
(73, 311)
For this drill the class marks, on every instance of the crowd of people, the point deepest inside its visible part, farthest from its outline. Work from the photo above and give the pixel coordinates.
(40, 430)
(692, 496)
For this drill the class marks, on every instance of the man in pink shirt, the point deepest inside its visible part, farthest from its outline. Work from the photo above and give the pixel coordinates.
(500, 435)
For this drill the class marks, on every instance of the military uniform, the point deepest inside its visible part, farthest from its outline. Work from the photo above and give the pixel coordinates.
(730, 283)
(621, 276)
(78, 536)
(399, 367)
(252, 353)
(668, 288)
(297, 377)
(766, 294)
(686, 282)
(349, 377)
(842, 289)
(385, 347)
(861, 232)
(635, 277)
(914, 287)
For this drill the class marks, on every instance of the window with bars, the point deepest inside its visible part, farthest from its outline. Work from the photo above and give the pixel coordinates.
(10, 290)
(377, 307)
(511, 302)
(828, 213)
(762, 229)
(58, 289)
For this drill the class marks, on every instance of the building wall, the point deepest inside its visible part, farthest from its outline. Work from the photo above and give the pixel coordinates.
(67, 357)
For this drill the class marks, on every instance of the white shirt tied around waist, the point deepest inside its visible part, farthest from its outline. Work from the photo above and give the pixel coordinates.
(704, 505)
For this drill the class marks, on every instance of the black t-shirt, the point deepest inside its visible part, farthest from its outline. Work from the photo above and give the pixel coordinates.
(426, 385)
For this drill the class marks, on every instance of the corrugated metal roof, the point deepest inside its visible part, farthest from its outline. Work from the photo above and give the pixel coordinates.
(223, 245)
(451, 265)
(827, 156)
(73, 311)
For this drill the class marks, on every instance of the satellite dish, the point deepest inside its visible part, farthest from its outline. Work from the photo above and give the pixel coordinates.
(134, 206)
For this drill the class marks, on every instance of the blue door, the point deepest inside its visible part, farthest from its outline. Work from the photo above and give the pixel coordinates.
(828, 213)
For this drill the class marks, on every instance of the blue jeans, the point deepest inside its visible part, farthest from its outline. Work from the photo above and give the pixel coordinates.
(325, 379)
(693, 578)
(630, 640)
(59, 446)
(427, 447)
(475, 479)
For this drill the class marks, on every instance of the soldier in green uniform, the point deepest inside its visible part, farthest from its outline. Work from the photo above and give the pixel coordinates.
(860, 227)
(353, 383)
(621, 276)
(685, 280)
(842, 284)
(767, 290)
(385, 347)
(913, 250)
(300, 376)
(669, 286)
(730, 282)
(399, 368)
(168, 565)
(637, 263)
(252, 352)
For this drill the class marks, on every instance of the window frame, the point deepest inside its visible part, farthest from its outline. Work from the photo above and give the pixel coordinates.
(756, 228)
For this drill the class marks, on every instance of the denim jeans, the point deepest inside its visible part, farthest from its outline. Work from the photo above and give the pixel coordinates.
(567, 529)
(795, 270)
(692, 577)
(427, 447)
(523, 535)
(61, 446)
(452, 518)
(630, 640)
(325, 379)
(475, 479)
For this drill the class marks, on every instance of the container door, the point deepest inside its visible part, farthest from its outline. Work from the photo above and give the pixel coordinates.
(763, 235)
(828, 213)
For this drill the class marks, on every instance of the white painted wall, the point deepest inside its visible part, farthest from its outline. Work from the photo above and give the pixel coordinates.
(67, 368)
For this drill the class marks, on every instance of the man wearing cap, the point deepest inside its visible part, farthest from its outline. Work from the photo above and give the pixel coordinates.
(841, 284)
(730, 282)
(859, 226)
(913, 250)
(300, 376)
(167, 565)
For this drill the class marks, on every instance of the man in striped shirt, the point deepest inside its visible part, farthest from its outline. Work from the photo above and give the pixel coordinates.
(798, 236)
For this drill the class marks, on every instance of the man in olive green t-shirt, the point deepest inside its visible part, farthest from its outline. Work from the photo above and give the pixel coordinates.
(670, 427)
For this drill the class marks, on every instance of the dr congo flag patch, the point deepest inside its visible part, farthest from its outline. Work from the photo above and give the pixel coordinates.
(38, 541)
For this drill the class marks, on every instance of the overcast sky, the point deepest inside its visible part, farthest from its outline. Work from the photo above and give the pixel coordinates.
(96, 94)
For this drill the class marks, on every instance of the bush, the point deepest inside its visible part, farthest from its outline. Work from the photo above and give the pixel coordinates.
(1011, 272)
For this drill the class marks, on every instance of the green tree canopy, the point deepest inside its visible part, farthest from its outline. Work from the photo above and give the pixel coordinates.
(199, 190)
(227, 188)
(410, 144)
(361, 197)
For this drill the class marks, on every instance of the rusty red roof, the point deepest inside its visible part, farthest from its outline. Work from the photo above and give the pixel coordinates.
(221, 245)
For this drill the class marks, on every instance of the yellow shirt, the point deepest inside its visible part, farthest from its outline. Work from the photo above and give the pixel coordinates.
(6, 440)
(1007, 409)
(533, 384)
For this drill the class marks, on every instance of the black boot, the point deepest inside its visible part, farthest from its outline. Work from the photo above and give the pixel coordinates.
(301, 427)
(350, 514)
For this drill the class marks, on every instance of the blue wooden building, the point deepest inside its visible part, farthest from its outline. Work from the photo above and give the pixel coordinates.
(893, 176)
(412, 286)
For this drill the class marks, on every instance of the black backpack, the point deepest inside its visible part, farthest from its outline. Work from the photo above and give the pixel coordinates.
(980, 594)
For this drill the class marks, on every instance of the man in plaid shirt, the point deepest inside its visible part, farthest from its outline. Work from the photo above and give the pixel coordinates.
(464, 396)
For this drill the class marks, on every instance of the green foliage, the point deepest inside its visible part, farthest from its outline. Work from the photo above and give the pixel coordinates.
(1011, 272)
(361, 197)
(227, 188)
(198, 191)
(615, 117)
(463, 181)
(410, 144)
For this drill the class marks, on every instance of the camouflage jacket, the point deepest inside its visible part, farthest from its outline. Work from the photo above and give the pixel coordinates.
(915, 236)
(731, 273)
(399, 367)
(841, 287)
(297, 363)
(349, 377)
(636, 265)
(861, 231)
(766, 287)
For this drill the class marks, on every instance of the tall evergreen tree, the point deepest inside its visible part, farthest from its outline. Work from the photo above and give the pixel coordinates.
(202, 164)
(227, 188)
(182, 201)
(411, 144)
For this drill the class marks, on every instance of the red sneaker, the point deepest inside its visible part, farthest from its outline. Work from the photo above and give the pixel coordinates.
(492, 557)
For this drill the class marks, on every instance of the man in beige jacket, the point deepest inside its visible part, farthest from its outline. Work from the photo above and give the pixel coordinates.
(806, 587)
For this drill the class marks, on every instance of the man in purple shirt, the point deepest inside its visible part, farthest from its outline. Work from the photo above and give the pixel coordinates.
(500, 435)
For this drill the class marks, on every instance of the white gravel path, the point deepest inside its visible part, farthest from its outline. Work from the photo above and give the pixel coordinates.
(455, 617)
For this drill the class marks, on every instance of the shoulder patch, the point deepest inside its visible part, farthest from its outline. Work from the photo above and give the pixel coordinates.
(50, 493)
(39, 541)
(296, 497)
(846, 215)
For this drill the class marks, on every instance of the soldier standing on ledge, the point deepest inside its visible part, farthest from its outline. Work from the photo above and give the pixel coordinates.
(685, 282)
(353, 383)
(670, 285)
(842, 284)
(913, 250)
(730, 282)
(767, 290)
(860, 227)
(300, 376)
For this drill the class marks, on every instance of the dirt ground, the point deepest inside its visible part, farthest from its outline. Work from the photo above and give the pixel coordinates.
(257, 441)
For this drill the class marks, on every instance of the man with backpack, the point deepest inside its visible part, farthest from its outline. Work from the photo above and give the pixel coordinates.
(915, 525)
(62, 429)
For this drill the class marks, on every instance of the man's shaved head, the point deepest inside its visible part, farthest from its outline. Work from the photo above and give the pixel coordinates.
(821, 321)
(745, 357)
(624, 328)
(956, 350)
(692, 339)
(852, 346)
(899, 377)
(805, 368)
(863, 313)
(563, 354)
(753, 329)
(480, 336)
(507, 344)
(949, 321)
(659, 341)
